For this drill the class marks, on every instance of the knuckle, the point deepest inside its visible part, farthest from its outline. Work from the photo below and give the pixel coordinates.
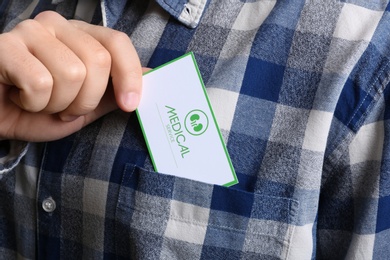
(28, 25)
(75, 73)
(97, 54)
(33, 107)
(72, 69)
(102, 58)
(7, 39)
(47, 16)
(42, 83)
(118, 38)
(86, 107)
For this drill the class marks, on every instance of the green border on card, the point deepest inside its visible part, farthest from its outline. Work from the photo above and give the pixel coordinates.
(235, 181)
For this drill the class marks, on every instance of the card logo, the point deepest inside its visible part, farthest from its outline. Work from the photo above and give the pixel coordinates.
(196, 122)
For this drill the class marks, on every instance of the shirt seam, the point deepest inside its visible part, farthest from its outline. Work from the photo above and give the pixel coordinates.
(378, 91)
(206, 224)
(338, 149)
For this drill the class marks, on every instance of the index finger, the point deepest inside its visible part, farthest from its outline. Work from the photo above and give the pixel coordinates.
(126, 70)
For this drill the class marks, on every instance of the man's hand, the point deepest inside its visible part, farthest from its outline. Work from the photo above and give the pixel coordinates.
(54, 75)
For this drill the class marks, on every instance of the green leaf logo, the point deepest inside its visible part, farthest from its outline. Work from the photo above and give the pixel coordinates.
(196, 122)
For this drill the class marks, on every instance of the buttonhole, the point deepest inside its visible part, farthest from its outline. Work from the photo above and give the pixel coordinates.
(187, 9)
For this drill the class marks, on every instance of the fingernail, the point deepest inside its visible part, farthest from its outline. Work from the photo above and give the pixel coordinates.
(130, 101)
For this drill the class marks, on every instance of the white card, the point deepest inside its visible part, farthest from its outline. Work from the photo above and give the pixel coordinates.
(179, 125)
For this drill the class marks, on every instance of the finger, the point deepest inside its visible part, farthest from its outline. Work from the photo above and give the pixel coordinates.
(44, 127)
(67, 70)
(33, 82)
(126, 71)
(37, 127)
(94, 56)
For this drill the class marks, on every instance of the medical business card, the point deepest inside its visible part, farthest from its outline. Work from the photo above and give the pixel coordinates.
(179, 125)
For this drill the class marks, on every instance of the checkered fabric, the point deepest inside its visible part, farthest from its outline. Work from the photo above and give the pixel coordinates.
(300, 92)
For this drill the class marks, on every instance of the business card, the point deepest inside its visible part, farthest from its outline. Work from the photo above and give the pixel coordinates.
(179, 125)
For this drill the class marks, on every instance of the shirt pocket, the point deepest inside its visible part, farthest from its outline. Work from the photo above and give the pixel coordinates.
(160, 216)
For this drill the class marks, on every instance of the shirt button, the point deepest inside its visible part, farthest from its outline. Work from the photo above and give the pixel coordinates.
(49, 205)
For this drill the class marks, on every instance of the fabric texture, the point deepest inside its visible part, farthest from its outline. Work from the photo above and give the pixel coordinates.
(300, 91)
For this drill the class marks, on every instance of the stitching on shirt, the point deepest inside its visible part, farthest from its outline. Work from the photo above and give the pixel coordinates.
(199, 223)
(179, 15)
(199, 11)
(197, 14)
(204, 224)
(336, 148)
(378, 91)
(292, 232)
(126, 176)
(291, 215)
(229, 228)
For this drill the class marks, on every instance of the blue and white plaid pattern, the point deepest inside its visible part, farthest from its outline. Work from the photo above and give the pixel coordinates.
(299, 89)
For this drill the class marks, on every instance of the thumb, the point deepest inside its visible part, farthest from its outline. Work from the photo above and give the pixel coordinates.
(128, 95)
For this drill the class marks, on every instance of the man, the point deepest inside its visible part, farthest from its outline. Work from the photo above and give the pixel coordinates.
(299, 89)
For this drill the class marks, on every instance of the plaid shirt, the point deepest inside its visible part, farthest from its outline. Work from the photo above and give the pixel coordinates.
(299, 89)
